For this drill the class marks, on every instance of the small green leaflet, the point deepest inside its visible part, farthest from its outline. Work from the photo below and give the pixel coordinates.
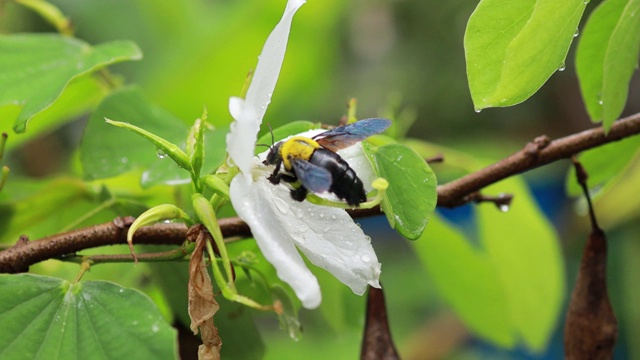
(411, 197)
(35, 68)
(49, 318)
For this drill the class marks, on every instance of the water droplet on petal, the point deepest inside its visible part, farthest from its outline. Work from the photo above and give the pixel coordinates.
(281, 205)
(160, 154)
(302, 227)
(297, 237)
(365, 258)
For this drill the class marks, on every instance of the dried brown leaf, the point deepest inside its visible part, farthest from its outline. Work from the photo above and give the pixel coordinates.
(202, 303)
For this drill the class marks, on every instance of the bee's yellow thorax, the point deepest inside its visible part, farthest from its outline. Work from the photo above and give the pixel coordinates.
(297, 147)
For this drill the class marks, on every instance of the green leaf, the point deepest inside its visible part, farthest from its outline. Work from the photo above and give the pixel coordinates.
(48, 318)
(603, 164)
(411, 197)
(617, 207)
(525, 253)
(46, 209)
(78, 98)
(513, 47)
(607, 56)
(107, 151)
(35, 68)
(467, 280)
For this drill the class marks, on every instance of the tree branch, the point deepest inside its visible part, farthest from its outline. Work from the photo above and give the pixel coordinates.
(535, 154)
(540, 152)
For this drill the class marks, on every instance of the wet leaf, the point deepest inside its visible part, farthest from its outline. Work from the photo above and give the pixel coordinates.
(411, 196)
(607, 57)
(49, 318)
(37, 67)
(513, 47)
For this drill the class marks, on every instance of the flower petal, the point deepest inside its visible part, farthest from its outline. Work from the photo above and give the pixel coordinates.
(248, 113)
(359, 162)
(242, 134)
(331, 240)
(327, 236)
(270, 61)
(268, 216)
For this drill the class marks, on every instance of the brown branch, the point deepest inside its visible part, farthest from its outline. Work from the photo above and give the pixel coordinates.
(25, 253)
(537, 153)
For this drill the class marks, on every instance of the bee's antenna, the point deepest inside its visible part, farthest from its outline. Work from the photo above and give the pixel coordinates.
(273, 141)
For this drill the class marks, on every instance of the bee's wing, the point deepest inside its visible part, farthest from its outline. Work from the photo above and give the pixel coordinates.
(347, 135)
(312, 177)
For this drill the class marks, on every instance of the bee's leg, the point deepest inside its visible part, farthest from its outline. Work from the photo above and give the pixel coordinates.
(288, 178)
(275, 176)
(299, 194)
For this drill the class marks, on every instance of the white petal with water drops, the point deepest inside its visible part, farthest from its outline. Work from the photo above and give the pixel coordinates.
(264, 208)
(337, 244)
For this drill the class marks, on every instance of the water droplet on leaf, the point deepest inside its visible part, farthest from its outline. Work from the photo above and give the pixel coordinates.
(504, 207)
(160, 154)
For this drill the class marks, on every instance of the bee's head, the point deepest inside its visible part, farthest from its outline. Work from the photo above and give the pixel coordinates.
(273, 157)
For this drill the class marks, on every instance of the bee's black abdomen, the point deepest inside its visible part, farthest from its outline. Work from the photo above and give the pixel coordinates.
(345, 182)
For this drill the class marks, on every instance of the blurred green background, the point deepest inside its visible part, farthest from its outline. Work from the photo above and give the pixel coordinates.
(396, 57)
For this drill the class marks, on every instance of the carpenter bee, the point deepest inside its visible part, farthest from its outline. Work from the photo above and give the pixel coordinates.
(315, 163)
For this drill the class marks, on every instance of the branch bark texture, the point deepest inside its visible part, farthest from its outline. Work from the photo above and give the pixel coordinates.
(537, 153)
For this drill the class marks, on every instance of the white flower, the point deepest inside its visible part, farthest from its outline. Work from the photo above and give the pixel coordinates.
(327, 236)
